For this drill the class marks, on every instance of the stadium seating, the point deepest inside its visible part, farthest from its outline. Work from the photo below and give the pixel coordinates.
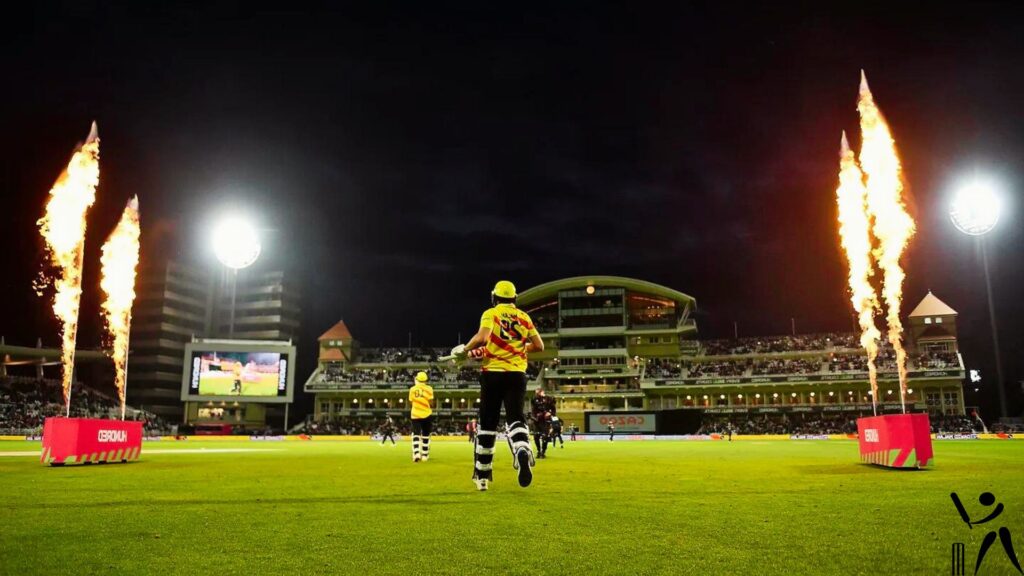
(780, 344)
(26, 402)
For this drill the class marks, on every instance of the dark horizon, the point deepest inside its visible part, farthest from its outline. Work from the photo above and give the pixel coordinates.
(404, 158)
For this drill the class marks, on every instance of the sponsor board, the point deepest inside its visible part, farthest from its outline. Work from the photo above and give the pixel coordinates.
(808, 437)
(843, 377)
(895, 440)
(624, 422)
(88, 440)
(956, 436)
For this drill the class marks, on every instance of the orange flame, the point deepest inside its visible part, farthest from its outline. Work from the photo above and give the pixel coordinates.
(855, 233)
(893, 226)
(120, 259)
(63, 229)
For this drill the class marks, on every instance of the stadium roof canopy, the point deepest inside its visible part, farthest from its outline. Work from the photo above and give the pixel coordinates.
(932, 306)
(552, 288)
(337, 332)
(39, 356)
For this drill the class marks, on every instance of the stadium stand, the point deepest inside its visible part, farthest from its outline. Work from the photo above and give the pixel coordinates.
(622, 345)
(25, 402)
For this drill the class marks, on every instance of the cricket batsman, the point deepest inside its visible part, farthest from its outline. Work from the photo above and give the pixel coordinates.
(422, 416)
(506, 336)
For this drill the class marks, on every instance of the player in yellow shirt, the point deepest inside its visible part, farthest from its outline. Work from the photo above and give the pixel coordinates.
(506, 336)
(420, 396)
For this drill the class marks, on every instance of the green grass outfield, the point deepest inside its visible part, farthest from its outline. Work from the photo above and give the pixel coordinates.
(223, 384)
(321, 507)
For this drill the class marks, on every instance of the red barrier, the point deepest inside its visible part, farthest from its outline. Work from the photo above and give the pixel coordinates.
(895, 440)
(87, 440)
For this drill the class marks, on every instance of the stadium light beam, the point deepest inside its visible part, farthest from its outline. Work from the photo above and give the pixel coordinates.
(975, 211)
(236, 245)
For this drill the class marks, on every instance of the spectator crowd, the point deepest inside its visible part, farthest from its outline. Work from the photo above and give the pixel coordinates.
(26, 402)
(774, 344)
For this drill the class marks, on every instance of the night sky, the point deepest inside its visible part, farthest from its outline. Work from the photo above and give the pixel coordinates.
(402, 157)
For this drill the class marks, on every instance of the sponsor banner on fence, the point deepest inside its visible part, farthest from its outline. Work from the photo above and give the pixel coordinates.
(342, 386)
(593, 437)
(624, 422)
(842, 377)
(808, 437)
(956, 436)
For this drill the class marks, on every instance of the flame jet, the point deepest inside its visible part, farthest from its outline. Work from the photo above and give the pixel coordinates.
(893, 226)
(63, 229)
(855, 234)
(120, 259)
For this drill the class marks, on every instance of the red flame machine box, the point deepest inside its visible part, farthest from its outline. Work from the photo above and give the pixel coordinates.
(88, 440)
(895, 440)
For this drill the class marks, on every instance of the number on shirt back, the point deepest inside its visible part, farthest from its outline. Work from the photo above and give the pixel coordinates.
(509, 329)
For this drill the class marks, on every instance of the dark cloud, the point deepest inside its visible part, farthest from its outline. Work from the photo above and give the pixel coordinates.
(404, 157)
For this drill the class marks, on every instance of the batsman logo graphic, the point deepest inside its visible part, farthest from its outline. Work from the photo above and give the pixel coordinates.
(986, 499)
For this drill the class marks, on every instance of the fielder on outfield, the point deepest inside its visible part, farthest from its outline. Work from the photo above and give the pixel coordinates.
(422, 417)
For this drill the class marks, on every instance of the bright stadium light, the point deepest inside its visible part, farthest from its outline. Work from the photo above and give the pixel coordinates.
(975, 208)
(975, 211)
(236, 243)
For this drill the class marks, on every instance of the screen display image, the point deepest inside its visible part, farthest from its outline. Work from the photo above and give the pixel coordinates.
(258, 374)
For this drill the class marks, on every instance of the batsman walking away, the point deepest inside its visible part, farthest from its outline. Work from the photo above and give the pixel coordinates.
(505, 337)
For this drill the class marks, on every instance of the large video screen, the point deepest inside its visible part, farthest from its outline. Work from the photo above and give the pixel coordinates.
(235, 370)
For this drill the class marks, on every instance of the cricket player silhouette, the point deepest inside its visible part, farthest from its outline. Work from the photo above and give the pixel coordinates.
(988, 499)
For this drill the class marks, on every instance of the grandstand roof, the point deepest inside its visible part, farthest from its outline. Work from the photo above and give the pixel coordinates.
(932, 306)
(337, 332)
(25, 355)
(552, 288)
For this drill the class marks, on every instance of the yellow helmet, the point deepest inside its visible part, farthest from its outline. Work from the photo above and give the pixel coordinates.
(504, 289)
(421, 376)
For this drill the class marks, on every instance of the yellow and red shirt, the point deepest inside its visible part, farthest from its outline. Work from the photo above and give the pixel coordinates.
(511, 329)
(420, 396)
